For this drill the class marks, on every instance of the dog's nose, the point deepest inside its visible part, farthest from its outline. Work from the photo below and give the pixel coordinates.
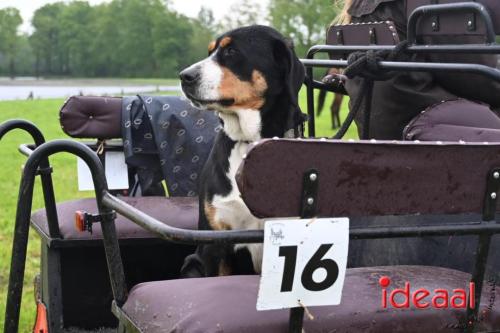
(190, 75)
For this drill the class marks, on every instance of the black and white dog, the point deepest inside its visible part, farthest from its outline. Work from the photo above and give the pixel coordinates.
(251, 78)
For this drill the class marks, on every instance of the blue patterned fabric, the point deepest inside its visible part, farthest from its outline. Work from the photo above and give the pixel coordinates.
(165, 137)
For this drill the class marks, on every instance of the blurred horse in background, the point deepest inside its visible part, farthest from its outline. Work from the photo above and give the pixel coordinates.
(337, 100)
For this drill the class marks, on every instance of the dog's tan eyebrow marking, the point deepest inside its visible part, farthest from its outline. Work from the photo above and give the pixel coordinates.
(211, 46)
(225, 41)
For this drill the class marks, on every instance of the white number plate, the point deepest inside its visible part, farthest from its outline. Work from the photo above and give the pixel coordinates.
(116, 170)
(304, 263)
(116, 173)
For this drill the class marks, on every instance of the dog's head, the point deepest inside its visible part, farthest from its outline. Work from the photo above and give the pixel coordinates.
(250, 68)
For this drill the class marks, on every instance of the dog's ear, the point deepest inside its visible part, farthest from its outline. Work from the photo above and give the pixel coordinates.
(294, 75)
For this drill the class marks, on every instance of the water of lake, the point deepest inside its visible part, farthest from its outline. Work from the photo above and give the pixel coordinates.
(8, 92)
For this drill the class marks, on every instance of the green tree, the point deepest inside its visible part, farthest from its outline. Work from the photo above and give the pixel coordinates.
(304, 21)
(10, 20)
(45, 40)
(204, 30)
(24, 57)
(105, 47)
(171, 37)
(146, 38)
(206, 19)
(242, 13)
(136, 49)
(77, 29)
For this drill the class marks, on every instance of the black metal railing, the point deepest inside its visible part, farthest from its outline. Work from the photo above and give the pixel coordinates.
(108, 204)
(45, 170)
(489, 47)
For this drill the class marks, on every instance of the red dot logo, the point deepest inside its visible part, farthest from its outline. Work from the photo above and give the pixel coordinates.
(384, 281)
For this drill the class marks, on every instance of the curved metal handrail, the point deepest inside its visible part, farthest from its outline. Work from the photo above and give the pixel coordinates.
(44, 170)
(24, 205)
(25, 125)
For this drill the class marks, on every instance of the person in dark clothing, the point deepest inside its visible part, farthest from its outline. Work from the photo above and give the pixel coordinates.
(395, 102)
(402, 97)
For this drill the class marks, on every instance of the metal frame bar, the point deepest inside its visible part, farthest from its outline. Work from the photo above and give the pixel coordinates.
(310, 62)
(107, 203)
(51, 290)
(19, 247)
(463, 7)
(51, 286)
(308, 209)
(184, 236)
(311, 121)
(415, 49)
(484, 70)
(46, 177)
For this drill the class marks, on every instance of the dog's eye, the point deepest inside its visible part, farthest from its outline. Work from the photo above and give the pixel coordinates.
(229, 52)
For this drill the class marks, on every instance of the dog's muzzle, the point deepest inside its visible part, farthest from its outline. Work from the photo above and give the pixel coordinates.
(190, 77)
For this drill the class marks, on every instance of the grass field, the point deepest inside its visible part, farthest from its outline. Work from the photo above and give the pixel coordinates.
(44, 113)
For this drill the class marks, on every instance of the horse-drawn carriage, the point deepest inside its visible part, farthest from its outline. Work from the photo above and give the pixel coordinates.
(422, 212)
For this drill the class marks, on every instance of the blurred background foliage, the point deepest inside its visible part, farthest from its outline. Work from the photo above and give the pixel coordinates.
(140, 38)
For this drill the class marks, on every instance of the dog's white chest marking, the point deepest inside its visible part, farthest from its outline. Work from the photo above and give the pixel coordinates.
(242, 125)
(230, 208)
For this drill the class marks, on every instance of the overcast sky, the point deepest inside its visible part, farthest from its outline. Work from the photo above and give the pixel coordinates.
(188, 7)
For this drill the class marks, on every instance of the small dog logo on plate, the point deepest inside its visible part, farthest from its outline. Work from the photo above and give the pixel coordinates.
(277, 234)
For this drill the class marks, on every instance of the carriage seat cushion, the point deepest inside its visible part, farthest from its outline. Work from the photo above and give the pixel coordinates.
(455, 120)
(228, 304)
(92, 117)
(181, 212)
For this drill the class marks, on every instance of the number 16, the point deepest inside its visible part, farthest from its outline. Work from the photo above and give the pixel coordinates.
(331, 267)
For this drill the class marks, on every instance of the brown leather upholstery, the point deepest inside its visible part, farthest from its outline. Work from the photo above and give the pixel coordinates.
(378, 33)
(92, 117)
(451, 23)
(366, 178)
(179, 212)
(454, 121)
(227, 304)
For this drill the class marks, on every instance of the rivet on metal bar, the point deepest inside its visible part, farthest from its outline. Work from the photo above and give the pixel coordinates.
(340, 37)
(309, 199)
(491, 196)
(471, 22)
(435, 19)
(314, 176)
(373, 36)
